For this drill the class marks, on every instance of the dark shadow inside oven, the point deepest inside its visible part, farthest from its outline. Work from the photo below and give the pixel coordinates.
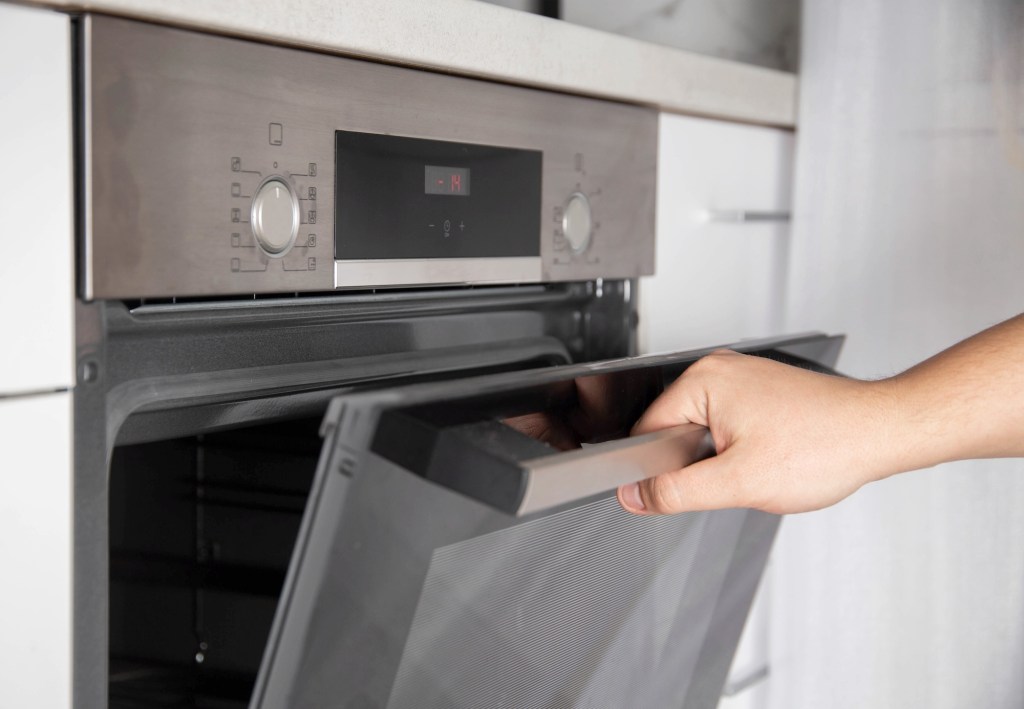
(201, 532)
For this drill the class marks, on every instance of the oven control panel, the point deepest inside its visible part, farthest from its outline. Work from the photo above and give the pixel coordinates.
(218, 166)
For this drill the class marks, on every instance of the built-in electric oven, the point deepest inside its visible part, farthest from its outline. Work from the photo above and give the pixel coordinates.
(356, 378)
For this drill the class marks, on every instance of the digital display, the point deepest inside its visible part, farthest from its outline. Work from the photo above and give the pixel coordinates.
(446, 180)
(398, 197)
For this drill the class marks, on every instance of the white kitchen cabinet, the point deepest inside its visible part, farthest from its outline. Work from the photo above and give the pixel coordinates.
(720, 281)
(750, 674)
(717, 280)
(35, 551)
(36, 356)
(36, 271)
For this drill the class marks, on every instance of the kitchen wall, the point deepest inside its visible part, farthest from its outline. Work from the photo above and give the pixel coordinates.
(908, 234)
(749, 31)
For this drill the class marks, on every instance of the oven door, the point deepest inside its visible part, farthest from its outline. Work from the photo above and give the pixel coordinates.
(449, 559)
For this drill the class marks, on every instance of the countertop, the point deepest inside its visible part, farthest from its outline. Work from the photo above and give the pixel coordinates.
(481, 40)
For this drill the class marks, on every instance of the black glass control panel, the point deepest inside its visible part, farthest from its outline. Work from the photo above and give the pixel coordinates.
(407, 198)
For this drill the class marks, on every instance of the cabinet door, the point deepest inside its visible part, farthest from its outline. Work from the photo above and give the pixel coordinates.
(35, 551)
(747, 684)
(722, 229)
(36, 275)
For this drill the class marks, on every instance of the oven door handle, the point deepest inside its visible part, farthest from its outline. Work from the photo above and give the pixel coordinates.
(456, 437)
(500, 466)
(567, 477)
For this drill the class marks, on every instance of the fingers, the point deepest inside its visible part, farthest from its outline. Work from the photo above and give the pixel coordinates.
(686, 399)
(701, 486)
(680, 403)
(705, 485)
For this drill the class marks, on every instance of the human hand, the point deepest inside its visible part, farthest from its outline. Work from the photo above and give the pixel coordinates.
(788, 440)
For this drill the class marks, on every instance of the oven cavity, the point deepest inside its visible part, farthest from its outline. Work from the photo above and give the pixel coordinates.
(201, 532)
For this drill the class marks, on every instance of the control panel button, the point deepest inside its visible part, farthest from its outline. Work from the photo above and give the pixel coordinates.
(275, 216)
(577, 223)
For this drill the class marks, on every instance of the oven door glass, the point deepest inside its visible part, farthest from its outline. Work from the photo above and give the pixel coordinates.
(462, 547)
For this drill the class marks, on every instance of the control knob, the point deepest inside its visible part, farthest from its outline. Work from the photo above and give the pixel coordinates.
(275, 216)
(577, 222)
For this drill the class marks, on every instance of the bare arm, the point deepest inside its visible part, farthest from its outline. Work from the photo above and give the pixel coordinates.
(790, 440)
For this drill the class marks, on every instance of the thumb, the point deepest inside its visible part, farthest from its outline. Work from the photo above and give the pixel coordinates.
(704, 485)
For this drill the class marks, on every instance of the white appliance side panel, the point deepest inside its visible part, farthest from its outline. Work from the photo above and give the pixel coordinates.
(716, 281)
(909, 235)
(36, 271)
(35, 551)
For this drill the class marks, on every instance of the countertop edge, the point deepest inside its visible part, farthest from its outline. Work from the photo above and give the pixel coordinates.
(490, 42)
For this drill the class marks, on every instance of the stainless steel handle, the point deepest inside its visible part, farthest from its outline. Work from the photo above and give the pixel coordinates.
(734, 216)
(462, 436)
(565, 477)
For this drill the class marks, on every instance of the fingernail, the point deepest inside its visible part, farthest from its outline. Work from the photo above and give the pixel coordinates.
(629, 495)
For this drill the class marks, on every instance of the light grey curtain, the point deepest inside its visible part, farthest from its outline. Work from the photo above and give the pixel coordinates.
(908, 235)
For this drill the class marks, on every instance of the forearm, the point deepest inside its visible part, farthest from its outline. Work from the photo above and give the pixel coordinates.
(965, 402)
(789, 440)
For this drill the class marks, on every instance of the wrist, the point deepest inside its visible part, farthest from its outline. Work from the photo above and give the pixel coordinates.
(916, 433)
(885, 452)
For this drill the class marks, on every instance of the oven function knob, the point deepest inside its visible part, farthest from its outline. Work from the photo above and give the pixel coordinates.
(275, 216)
(577, 223)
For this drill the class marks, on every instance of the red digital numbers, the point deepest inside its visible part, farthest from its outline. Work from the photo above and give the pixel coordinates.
(446, 179)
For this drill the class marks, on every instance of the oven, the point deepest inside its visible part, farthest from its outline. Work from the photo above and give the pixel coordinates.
(356, 373)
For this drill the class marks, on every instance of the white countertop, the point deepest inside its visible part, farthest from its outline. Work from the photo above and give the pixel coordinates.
(477, 39)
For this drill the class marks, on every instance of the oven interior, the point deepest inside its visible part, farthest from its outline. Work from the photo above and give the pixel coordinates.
(201, 532)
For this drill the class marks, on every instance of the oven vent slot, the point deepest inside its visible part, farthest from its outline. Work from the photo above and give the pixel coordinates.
(178, 304)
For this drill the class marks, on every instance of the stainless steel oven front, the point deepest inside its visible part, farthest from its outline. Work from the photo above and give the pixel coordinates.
(257, 169)
(317, 298)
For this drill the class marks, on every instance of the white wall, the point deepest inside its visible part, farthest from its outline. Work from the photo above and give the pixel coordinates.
(749, 31)
(908, 234)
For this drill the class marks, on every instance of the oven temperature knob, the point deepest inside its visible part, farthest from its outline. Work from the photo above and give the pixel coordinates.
(577, 223)
(275, 216)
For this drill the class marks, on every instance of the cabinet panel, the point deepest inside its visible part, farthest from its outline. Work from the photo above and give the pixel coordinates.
(717, 280)
(36, 272)
(721, 280)
(35, 551)
(747, 686)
